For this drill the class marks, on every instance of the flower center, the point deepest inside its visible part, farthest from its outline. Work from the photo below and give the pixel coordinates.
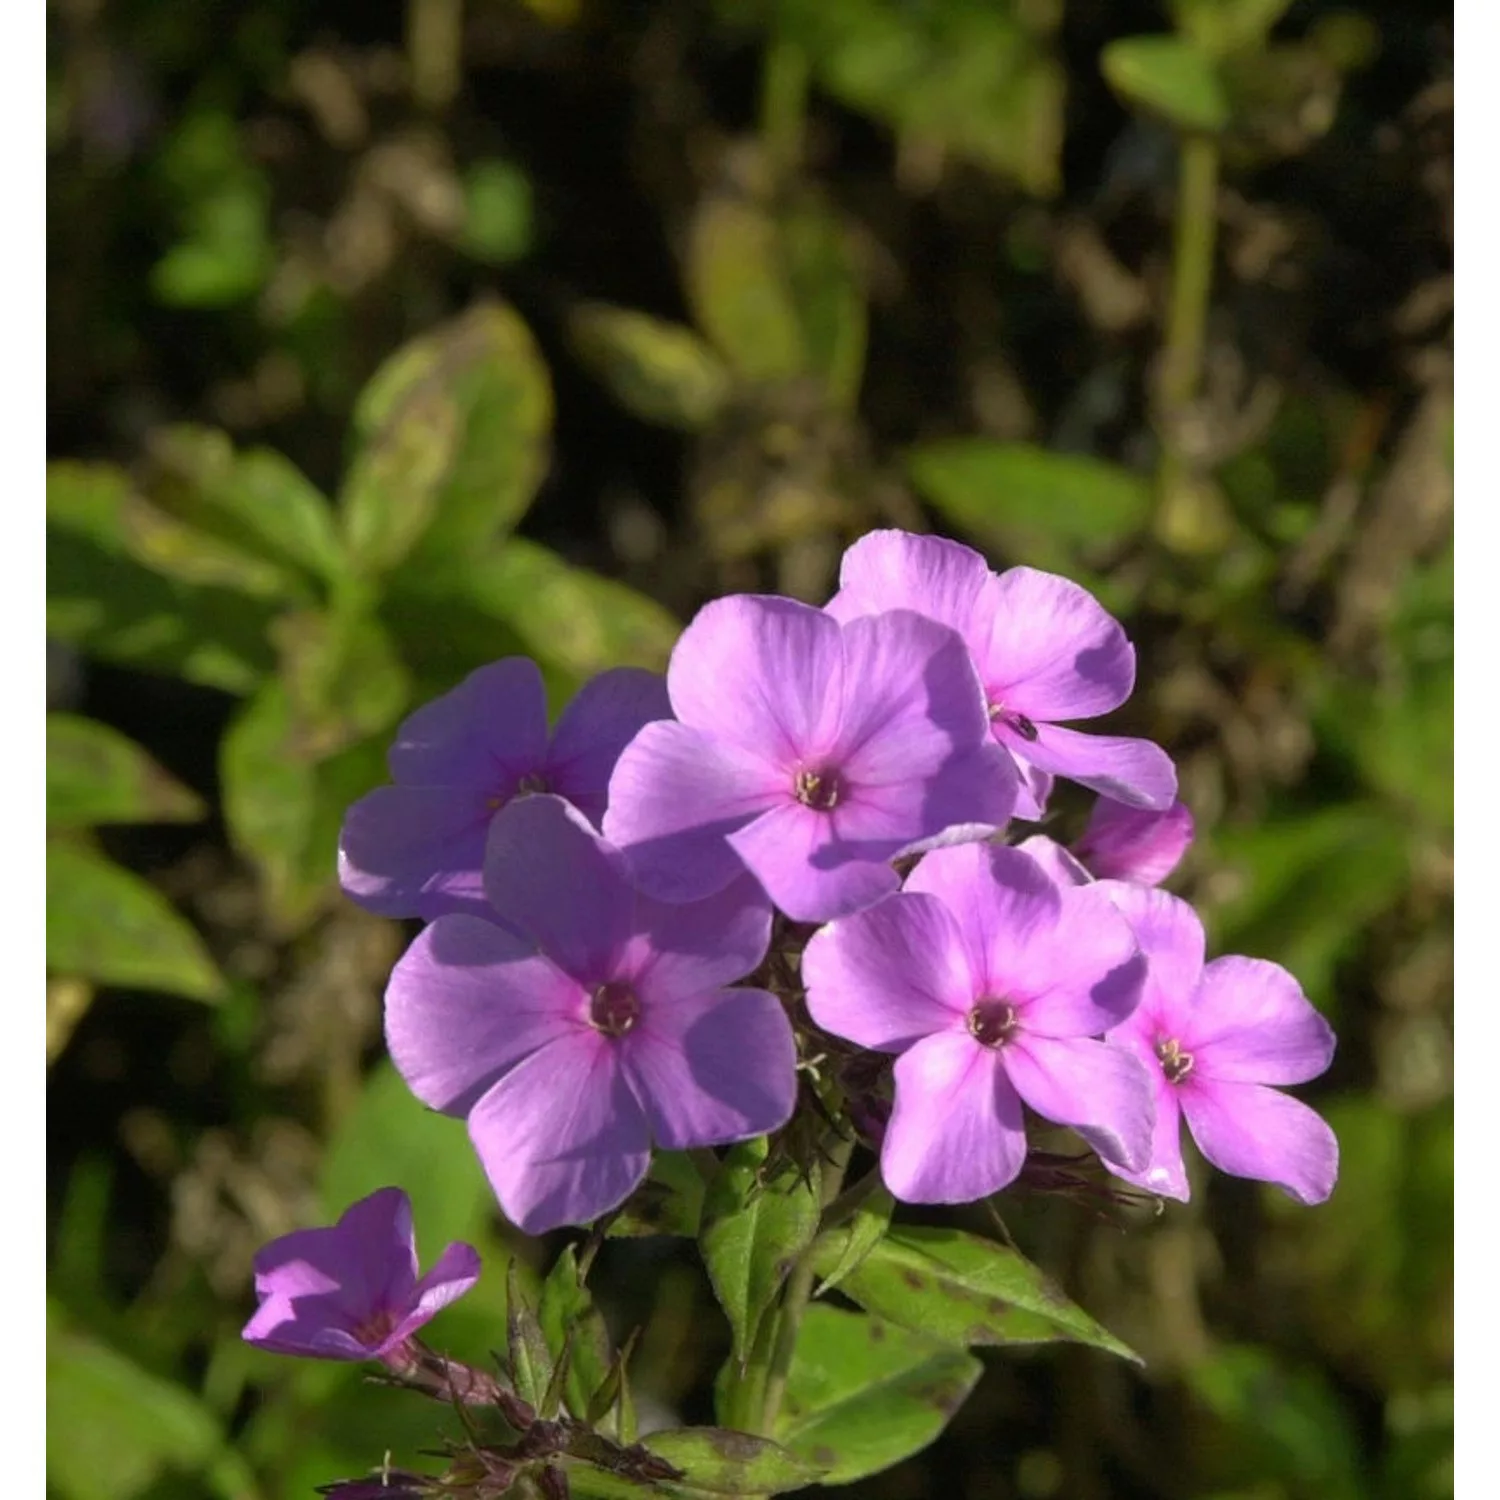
(1175, 1063)
(1018, 723)
(819, 790)
(375, 1328)
(992, 1023)
(532, 781)
(613, 1008)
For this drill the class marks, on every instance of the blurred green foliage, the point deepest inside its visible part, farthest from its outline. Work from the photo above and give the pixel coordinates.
(359, 383)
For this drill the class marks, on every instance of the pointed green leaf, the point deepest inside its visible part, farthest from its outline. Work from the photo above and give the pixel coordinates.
(1170, 77)
(864, 1231)
(662, 372)
(863, 1394)
(963, 1290)
(752, 1233)
(96, 775)
(526, 1348)
(108, 925)
(567, 1309)
(731, 1463)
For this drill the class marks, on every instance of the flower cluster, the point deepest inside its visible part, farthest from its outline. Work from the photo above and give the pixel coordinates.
(598, 976)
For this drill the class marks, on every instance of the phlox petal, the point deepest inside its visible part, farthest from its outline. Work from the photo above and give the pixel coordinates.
(944, 580)
(1248, 1130)
(1130, 843)
(1132, 771)
(1164, 1172)
(684, 950)
(1251, 1023)
(1170, 935)
(607, 712)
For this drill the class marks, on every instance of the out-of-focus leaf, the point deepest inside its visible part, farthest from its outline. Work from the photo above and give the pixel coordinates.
(176, 550)
(829, 299)
(256, 500)
(498, 216)
(1219, 27)
(108, 925)
(450, 442)
(669, 1201)
(753, 1230)
(115, 1429)
(864, 1394)
(963, 1290)
(1040, 508)
(226, 253)
(391, 1138)
(1170, 77)
(96, 775)
(662, 372)
(105, 601)
(567, 1306)
(732, 1463)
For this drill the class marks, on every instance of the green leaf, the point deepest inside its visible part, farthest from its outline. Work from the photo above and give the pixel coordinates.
(662, 372)
(104, 600)
(526, 1347)
(450, 442)
(567, 1307)
(731, 1463)
(390, 1138)
(115, 1429)
(108, 925)
(1220, 27)
(752, 1233)
(963, 1290)
(1169, 77)
(669, 1201)
(863, 1394)
(498, 217)
(1046, 509)
(829, 299)
(865, 1230)
(96, 775)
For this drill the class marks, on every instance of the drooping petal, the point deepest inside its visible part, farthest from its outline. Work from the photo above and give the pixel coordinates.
(1135, 772)
(680, 951)
(467, 1002)
(452, 1274)
(886, 977)
(415, 851)
(1251, 1023)
(1164, 1172)
(1102, 1092)
(1130, 843)
(675, 795)
(944, 580)
(714, 1068)
(1248, 1130)
(1170, 935)
(763, 674)
(606, 714)
(795, 853)
(562, 1137)
(486, 733)
(552, 877)
(1057, 864)
(1054, 652)
(956, 1132)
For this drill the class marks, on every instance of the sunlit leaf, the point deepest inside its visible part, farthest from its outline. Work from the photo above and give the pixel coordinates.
(731, 1463)
(1170, 77)
(96, 775)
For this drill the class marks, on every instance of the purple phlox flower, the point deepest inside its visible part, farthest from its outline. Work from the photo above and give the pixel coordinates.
(991, 985)
(603, 1029)
(1216, 1039)
(352, 1291)
(1060, 865)
(416, 848)
(811, 753)
(1134, 844)
(1044, 648)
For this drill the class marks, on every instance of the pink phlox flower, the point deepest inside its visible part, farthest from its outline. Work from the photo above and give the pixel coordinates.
(1132, 843)
(416, 848)
(809, 752)
(1217, 1038)
(596, 1022)
(1044, 648)
(992, 985)
(352, 1291)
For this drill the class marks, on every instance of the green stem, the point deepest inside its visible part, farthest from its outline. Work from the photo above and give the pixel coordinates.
(783, 106)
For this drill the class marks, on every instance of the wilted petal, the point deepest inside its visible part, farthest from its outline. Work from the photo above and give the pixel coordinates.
(552, 877)
(486, 733)
(562, 1137)
(761, 673)
(956, 1132)
(1251, 1131)
(606, 714)
(1131, 843)
(886, 977)
(415, 851)
(1054, 652)
(715, 1068)
(944, 580)
(1131, 771)
(1251, 1023)
(467, 1002)
(1102, 1092)
(674, 797)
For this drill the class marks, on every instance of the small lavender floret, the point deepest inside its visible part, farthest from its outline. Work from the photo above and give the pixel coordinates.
(1045, 649)
(1216, 1038)
(352, 1291)
(991, 984)
(1135, 844)
(596, 1022)
(416, 848)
